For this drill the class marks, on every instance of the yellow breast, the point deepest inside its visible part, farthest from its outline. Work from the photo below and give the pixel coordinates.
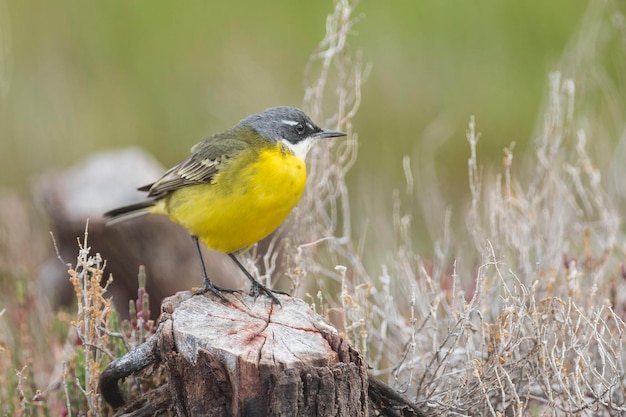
(246, 202)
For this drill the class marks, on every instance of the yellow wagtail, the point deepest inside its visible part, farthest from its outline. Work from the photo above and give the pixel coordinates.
(237, 186)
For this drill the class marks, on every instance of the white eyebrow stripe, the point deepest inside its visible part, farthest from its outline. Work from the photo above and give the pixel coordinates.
(289, 122)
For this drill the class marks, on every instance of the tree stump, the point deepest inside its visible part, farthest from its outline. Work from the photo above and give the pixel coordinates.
(255, 358)
(250, 358)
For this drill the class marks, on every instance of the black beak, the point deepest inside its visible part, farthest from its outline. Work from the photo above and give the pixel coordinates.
(330, 134)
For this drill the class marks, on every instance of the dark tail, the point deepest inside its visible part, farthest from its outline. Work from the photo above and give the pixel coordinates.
(128, 212)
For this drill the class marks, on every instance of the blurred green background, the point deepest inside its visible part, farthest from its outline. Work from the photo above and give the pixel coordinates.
(77, 77)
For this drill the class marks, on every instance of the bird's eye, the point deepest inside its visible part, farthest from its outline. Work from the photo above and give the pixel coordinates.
(300, 128)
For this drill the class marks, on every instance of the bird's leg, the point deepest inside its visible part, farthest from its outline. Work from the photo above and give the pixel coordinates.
(256, 286)
(207, 284)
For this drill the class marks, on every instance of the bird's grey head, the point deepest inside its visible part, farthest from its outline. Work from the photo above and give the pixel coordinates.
(290, 126)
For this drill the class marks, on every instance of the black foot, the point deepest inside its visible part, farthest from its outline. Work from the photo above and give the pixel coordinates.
(208, 285)
(257, 288)
(217, 291)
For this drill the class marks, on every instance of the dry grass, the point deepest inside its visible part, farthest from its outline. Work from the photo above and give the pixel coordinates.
(537, 328)
(93, 337)
(519, 314)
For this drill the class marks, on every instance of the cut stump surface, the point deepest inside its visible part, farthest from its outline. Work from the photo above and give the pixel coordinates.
(251, 334)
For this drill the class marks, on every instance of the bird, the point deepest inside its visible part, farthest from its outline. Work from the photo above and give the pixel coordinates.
(236, 187)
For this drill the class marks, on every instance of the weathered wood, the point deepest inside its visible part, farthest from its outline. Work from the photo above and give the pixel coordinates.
(254, 358)
(251, 358)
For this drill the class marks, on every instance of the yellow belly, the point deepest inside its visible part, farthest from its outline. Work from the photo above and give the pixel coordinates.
(245, 203)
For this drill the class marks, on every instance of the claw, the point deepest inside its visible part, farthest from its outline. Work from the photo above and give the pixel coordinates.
(256, 288)
(213, 289)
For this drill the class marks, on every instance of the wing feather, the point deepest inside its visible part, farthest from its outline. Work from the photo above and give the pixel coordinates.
(206, 160)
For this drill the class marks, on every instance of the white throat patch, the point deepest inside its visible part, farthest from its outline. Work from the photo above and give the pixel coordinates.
(301, 148)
